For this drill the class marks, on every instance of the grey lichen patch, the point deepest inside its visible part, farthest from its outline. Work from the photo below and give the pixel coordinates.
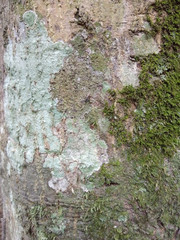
(83, 154)
(129, 74)
(69, 147)
(58, 223)
(106, 87)
(143, 45)
(30, 111)
(139, 44)
(29, 18)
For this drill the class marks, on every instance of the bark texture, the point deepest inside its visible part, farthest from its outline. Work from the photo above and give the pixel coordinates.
(59, 60)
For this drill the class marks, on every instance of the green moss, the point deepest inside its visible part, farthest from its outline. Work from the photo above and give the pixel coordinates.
(152, 164)
(157, 101)
(133, 205)
(104, 215)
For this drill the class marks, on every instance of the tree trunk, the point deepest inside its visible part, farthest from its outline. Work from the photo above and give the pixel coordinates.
(60, 167)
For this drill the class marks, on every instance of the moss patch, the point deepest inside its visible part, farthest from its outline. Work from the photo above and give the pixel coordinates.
(145, 122)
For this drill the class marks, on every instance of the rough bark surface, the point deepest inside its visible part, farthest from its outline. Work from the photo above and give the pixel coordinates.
(58, 61)
(4, 21)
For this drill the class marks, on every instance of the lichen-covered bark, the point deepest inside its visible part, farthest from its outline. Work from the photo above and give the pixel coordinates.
(59, 59)
(4, 20)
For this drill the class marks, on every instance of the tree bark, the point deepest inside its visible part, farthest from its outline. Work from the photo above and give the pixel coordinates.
(58, 61)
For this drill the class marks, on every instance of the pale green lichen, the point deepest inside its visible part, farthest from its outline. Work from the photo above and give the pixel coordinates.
(143, 45)
(68, 146)
(140, 45)
(82, 155)
(129, 74)
(30, 18)
(106, 87)
(30, 111)
(58, 223)
(41, 235)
